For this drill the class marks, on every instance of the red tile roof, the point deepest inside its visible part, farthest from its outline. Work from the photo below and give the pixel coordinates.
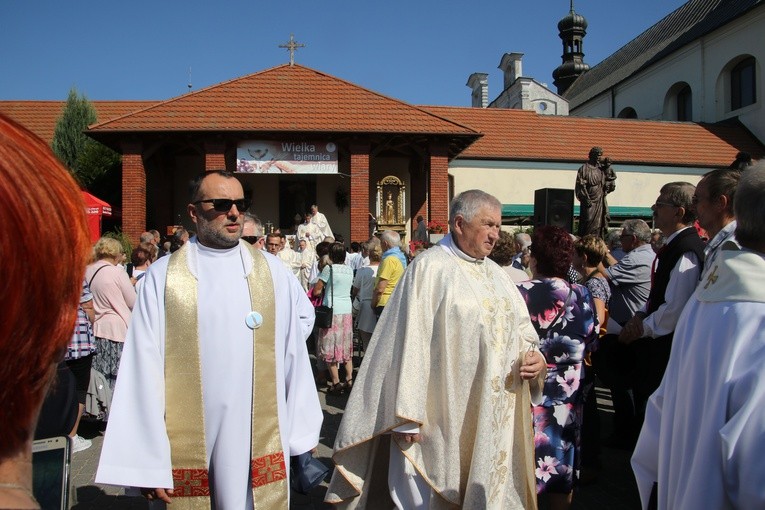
(296, 98)
(40, 117)
(285, 98)
(526, 135)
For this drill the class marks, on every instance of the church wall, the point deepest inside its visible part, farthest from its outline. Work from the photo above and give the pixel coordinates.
(515, 182)
(599, 106)
(646, 92)
(554, 104)
(701, 65)
(742, 37)
(527, 94)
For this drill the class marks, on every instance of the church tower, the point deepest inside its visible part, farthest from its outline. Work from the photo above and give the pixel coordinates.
(571, 30)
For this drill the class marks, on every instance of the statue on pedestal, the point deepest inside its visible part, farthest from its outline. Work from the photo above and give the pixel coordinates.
(594, 180)
(390, 209)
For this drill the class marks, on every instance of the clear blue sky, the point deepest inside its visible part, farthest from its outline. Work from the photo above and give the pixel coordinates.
(419, 51)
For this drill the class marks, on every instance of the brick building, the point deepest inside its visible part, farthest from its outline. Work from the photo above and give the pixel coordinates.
(423, 154)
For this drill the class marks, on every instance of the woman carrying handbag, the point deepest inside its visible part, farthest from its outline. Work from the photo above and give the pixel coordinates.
(335, 342)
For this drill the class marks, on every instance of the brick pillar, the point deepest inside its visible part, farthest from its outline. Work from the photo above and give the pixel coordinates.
(359, 192)
(215, 155)
(133, 191)
(438, 199)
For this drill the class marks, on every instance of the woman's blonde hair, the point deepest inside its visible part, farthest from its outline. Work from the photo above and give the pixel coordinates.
(375, 253)
(107, 248)
(592, 247)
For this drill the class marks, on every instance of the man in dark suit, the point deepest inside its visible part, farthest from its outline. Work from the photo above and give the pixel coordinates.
(676, 272)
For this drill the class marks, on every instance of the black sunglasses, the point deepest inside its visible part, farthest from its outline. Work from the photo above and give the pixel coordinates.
(251, 239)
(224, 204)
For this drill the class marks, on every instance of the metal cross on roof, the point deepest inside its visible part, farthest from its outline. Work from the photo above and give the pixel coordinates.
(291, 47)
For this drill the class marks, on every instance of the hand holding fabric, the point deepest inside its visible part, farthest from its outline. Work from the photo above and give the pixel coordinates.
(533, 363)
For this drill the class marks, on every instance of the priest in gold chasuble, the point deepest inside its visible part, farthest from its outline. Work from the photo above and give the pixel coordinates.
(215, 390)
(440, 412)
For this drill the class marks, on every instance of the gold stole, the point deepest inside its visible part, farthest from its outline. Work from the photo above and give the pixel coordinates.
(184, 410)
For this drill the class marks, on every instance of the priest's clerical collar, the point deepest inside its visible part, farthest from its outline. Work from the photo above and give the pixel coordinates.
(209, 249)
(461, 254)
(197, 249)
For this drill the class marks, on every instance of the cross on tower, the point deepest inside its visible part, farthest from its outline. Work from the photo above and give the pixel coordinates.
(291, 47)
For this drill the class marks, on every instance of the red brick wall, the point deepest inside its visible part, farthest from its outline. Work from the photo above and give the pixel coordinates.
(439, 184)
(133, 191)
(215, 155)
(359, 193)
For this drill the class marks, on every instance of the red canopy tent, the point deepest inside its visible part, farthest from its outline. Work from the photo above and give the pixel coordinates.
(95, 208)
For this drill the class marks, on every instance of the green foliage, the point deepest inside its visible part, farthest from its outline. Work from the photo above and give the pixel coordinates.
(96, 164)
(120, 236)
(88, 160)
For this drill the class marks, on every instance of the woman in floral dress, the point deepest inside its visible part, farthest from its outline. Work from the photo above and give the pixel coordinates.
(563, 315)
(589, 253)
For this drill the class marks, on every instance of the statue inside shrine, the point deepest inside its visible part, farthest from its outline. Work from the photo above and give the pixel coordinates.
(390, 209)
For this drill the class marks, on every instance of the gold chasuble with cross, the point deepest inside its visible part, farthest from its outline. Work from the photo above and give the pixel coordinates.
(183, 385)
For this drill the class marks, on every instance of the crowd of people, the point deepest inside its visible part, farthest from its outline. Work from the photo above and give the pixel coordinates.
(480, 353)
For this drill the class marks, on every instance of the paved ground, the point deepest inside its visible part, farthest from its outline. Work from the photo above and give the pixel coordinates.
(615, 488)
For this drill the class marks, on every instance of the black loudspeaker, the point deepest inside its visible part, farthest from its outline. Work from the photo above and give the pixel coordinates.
(554, 207)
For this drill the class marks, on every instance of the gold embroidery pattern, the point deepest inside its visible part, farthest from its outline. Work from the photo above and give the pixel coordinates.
(499, 316)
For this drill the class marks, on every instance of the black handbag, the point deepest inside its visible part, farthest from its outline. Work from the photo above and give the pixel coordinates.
(324, 313)
(306, 472)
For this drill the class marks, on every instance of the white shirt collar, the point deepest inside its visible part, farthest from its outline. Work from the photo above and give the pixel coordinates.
(448, 244)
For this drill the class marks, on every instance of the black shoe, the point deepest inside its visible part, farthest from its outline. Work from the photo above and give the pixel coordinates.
(336, 389)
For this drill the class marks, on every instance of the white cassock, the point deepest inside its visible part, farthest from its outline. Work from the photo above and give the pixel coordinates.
(704, 426)
(321, 222)
(291, 259)
(136, 450)
(307, 260)
(314, 236)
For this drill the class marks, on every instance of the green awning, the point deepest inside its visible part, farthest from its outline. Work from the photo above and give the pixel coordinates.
(527, 210)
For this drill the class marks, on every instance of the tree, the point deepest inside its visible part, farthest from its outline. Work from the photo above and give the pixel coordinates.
(88, 160)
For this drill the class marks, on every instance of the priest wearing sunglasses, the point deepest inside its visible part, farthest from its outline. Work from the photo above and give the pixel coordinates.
(216, 390)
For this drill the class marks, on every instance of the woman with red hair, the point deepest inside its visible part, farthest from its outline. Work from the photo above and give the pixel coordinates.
(40, 203)
(563, 315)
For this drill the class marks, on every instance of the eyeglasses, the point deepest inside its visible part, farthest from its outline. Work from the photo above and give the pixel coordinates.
(251, 239)
(224, 204)
(659, 204)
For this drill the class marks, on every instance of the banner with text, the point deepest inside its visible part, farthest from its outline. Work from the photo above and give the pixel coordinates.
(272, 157)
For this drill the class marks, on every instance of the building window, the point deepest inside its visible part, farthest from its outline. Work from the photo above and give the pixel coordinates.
(742, 84)
(684, 104)
(628, 113)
